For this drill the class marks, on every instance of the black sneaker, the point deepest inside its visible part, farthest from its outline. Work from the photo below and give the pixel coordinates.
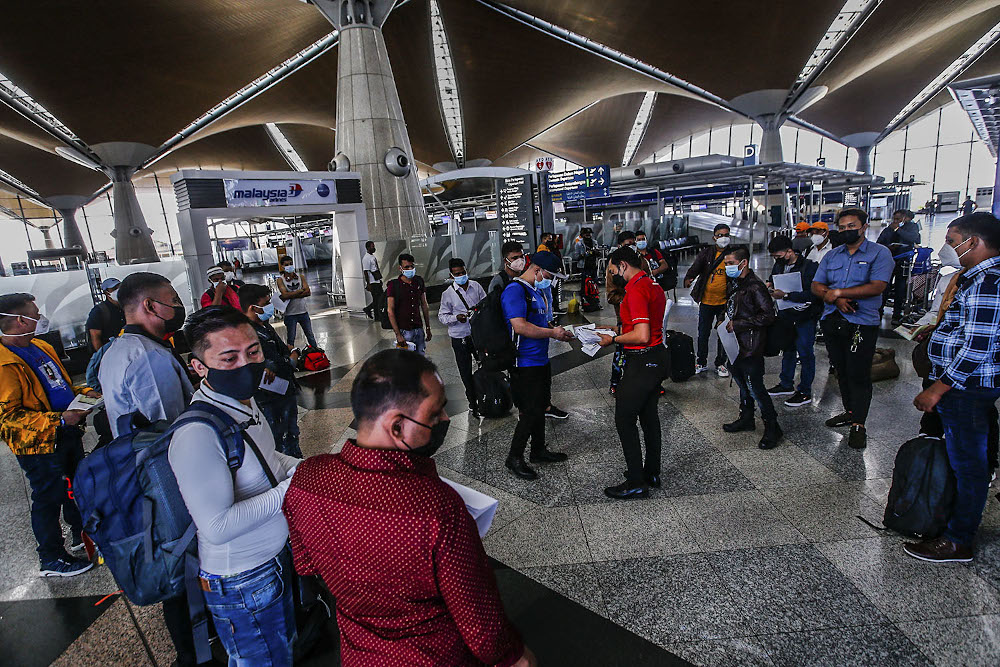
(843, 419)
(858, 437)
(627, 491)
(64, 567)
(552, 412)
(779, 390)
(797, 399)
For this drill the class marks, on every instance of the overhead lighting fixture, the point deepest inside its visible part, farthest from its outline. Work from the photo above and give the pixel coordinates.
(447, 85)
(842, 26)
(944, 78)
(638, 128)
(285, 146)
(14, 182)
(77, 157)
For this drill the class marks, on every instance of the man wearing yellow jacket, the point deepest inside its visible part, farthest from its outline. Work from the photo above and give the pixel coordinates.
(46, 437)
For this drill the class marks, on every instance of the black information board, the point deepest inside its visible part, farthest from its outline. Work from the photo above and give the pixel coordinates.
(515, 211)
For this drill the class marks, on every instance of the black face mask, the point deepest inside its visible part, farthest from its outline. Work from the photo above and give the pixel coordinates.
(239, 383)
(438, 433)
(850, 236)
(618, 280)
(175, 323)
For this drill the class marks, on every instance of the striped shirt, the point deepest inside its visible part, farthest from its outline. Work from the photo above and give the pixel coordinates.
(964, 349)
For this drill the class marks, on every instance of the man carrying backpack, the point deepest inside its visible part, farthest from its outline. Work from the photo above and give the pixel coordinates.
(457, 303)
(660, 269)
(513, 265)
(222, 289)
(46, 437)
(708, 276)
(531, 378)
(964, 352)
(106, 319)
(245, 565)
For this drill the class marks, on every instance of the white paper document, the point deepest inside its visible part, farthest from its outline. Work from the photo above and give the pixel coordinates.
(666, 313)
(589, 337)
(277, 385)
(81, 402)
(788, 282)
(481, 506)
(729, 342)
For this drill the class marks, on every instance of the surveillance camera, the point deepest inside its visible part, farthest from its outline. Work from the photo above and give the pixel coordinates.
(397, 162)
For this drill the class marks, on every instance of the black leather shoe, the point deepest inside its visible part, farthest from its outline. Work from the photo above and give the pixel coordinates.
(520, 468)
(843, 419)
(745, 422)
(651, 480)
(547, 456)
(627, 491)
(858, 437)
(772, 435)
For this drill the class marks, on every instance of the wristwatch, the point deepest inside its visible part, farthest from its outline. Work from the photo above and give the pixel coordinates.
(62, 421)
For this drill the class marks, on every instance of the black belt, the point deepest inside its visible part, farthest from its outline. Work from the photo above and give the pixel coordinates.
(642, 350)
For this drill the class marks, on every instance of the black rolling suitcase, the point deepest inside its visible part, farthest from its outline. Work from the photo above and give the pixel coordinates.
(492, 393)
(680, 347)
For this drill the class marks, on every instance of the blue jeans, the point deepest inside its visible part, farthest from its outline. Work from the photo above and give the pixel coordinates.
(748, 373)
(282, 415)
(254, 613)
(965, 416)
(708, 318)
(417, 337)
(293, 321)
(805, 339)
(47, 475)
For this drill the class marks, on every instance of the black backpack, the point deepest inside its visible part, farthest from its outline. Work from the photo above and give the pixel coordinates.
(922, 495)
(680, 347)
(492, 393)
(496, 348)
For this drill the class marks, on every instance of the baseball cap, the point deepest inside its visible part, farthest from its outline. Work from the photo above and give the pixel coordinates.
(802, 226)
(548, 261)
(109, 284)
(820, 225)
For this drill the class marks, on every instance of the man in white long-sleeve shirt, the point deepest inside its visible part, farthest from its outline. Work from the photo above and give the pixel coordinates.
(242, 532)
(456, 302)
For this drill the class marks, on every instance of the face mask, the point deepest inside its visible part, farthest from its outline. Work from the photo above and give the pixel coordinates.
(817, 239)
(229, 275)
(41, 327)
(289, 269)
(438, 433)
(850, 236)
(641, 245)
(177, 321)
(618, 280)
(800, 243)
(517, 266)
(266, 312)
(836, 238)
(949, 255)
(461, 280)
(543, 283)
(409, 273)
(239, 383)
(733, 270)
(722, 241)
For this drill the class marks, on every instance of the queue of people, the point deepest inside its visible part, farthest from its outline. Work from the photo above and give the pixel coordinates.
(278, 514)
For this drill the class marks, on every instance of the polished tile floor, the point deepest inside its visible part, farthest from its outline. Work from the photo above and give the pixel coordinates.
(744, 557)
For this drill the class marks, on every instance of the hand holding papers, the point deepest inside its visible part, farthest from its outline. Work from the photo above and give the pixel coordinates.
(787, 283)
(276, 385)
(480, 506)
(728, 340)
(590, 337)
(81, 402)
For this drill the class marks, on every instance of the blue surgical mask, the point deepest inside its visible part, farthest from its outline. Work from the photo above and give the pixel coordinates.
(461, 280)
(266, 313)
(543, 283)
(733, 270)
(641, 245)
(409, 273)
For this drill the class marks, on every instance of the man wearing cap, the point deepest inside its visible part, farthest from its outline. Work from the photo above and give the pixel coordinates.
(107, 318)
(220, 291)
(819, 235)
(801, 240)
(531, 378)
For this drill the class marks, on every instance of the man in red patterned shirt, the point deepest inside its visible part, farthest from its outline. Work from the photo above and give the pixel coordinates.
(393, 543)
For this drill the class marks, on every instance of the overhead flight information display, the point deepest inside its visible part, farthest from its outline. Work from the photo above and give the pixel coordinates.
(516, 210)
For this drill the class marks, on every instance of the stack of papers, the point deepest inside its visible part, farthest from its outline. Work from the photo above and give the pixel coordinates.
(728, 340)
(788, 283)
(81, 402)
(481, 507)
(590, 337)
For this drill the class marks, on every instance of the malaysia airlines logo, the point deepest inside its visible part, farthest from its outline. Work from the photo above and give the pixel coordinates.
(294, 189)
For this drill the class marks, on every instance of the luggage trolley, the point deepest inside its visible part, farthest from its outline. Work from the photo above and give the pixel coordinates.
(922, 275)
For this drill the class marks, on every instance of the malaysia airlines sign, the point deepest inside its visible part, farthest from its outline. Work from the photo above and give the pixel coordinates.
(246, 192)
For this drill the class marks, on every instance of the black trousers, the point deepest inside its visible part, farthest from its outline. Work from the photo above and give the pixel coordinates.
(177, 618)
(898, 290)
(464, 352)
(531, 387)
(930, 424)
(748, 373)
(636, 398)
(851, 348)
(378, 300)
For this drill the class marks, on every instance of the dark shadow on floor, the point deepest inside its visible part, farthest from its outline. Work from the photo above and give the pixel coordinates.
(36, 632)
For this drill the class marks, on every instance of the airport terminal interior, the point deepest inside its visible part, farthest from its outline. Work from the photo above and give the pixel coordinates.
(174, 137)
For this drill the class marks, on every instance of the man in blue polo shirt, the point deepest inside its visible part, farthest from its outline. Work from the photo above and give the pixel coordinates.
(850, 280)
(531, 378)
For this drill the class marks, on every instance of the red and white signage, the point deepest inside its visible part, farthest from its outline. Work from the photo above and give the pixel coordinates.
(543, 163)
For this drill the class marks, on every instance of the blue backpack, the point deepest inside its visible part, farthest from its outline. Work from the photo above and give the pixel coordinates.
(133, 510)
(94, 366)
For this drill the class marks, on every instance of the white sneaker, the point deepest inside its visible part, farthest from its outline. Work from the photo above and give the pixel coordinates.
(698, 368)
(722, 371)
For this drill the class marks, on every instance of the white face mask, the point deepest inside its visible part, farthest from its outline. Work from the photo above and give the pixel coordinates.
(722, 241)
(949, 255)
(817, 239)
(229, 275)
(42, 326)
(289, 269)
(517, 266)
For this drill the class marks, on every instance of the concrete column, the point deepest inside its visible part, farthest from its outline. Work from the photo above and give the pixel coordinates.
(352, 234)
(197, 250)
(863, 143)
(133, 238)
(864, 164)
(66, 206)
(770, 145)
(371, 132)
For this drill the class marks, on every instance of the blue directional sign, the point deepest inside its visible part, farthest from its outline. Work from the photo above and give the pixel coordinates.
(580, 183)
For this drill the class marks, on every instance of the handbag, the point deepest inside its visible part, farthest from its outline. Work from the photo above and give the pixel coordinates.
(920, 358)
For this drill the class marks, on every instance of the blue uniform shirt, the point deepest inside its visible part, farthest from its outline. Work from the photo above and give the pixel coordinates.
(839, 269)
(58, 391)
(519, 299)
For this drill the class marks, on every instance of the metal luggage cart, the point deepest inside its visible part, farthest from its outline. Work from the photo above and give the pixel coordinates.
(922, 276)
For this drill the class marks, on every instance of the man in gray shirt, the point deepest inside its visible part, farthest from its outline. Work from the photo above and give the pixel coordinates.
(241, 530)
(140, 371)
